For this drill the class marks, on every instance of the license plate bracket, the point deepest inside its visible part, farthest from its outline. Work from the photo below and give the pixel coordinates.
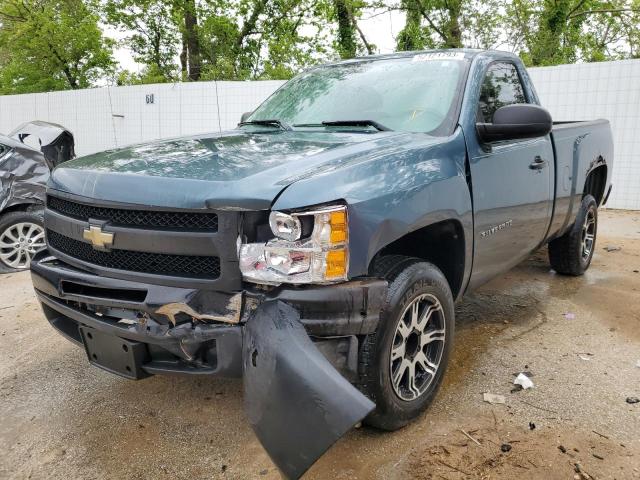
(114, 354)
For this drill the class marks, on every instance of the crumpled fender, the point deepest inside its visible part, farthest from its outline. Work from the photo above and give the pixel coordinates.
(23, 174)
(297, 403)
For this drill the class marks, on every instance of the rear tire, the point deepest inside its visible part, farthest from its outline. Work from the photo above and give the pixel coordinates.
(402, 366)
(571, 253)
(21, 236)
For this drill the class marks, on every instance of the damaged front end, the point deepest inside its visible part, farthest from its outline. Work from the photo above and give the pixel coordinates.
(296, 348)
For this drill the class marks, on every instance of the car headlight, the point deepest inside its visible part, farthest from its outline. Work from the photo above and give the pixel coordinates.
(321, 257)
(287, 227)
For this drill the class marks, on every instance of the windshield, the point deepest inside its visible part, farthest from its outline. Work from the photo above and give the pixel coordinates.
(410, 94)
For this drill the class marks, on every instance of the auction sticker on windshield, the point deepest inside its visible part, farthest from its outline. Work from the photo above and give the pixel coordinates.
(425, 57)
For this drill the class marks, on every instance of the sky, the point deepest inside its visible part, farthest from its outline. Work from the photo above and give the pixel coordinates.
(380, 29)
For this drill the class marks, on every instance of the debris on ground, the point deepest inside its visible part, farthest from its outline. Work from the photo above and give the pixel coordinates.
(471, 438)
(493, 399)
(507, 453)
(569, 315)
(581, 474)
(585, 356)
(532, 426)
(632, 400)
(612, 248)
(599, 457)
(638, 364)
(524, 381)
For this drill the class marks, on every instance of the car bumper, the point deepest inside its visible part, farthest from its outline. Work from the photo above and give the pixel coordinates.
(199, 332)
(296, 349)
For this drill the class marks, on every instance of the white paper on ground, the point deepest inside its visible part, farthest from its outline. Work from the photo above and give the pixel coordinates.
(524, 381)
(493, 398)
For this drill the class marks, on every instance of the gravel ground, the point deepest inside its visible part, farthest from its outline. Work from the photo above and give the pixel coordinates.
(62, 418)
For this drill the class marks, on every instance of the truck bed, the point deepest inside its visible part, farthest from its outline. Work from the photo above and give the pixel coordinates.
(579, 146)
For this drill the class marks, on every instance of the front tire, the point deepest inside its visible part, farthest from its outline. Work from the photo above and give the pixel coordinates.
(403, 362)
(571, 253)
(21, 236)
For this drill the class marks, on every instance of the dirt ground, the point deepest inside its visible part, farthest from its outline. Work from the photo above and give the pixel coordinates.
(578, 337)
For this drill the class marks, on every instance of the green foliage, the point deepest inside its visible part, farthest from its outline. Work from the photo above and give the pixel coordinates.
(349, 39)
(450, 24)
(58, 44)
(263, 40)
(153, 35)
(552, 32)
(235, 39)
(51, 45)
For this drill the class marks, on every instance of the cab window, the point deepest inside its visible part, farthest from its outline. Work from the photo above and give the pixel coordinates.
(501, 86)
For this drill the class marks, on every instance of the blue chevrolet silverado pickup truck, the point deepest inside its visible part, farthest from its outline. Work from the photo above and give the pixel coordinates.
(317, 250)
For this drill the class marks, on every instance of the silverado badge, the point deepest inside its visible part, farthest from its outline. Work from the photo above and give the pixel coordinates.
(99, 240)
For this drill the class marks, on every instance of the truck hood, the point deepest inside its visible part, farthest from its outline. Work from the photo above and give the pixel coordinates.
(236, 170)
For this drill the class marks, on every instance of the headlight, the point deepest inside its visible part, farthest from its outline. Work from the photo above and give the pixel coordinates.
(321, 257)
(285, 226)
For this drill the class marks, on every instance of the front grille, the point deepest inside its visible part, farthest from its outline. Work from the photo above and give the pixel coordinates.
(143, 262)
(193, 221)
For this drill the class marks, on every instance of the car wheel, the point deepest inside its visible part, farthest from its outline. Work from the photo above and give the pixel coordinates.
(402, 364)
(21, 236)
(571, 253)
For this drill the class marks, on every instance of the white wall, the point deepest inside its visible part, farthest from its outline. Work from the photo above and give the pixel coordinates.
(608, 90)
(109, 117)
(102, 118)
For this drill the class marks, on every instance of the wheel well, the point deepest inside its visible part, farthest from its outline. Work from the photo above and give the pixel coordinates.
(595, 183)
(441, 243)
(22, 207)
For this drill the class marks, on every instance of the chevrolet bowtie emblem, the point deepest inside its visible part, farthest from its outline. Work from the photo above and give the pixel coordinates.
(99, 239)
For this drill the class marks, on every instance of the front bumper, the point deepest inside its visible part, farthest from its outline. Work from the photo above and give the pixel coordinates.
(201, 332)
(295, 348)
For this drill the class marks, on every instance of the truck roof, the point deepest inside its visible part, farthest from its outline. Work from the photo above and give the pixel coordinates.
(468, 53)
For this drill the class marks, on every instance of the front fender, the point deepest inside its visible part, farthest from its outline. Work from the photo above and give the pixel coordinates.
(394, 193)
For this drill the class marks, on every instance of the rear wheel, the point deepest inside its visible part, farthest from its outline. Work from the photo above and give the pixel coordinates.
(403, 362)
(21, 236)
(571, 253)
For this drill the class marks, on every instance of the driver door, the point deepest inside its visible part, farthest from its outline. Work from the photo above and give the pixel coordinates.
(511, 181)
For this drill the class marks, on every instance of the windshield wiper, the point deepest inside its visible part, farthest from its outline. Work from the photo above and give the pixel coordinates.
(268, 123)
(357, 123)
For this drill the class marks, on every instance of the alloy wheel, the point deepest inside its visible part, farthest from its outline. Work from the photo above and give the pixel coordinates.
(417, 347)
(588, 233)
(19, 242)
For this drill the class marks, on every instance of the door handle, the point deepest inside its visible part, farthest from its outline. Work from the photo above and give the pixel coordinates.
(537, 163)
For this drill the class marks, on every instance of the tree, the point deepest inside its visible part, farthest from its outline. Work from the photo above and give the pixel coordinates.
(153, 37)
(230, 40)
(51, 45)
(551, 32)
(413, 36)
(350, 39)
(449, 24)
(252, 39)
(191, 39)
(346, 30)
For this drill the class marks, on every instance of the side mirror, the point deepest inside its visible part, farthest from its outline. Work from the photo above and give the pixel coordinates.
(517, 121)
(245, 116)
